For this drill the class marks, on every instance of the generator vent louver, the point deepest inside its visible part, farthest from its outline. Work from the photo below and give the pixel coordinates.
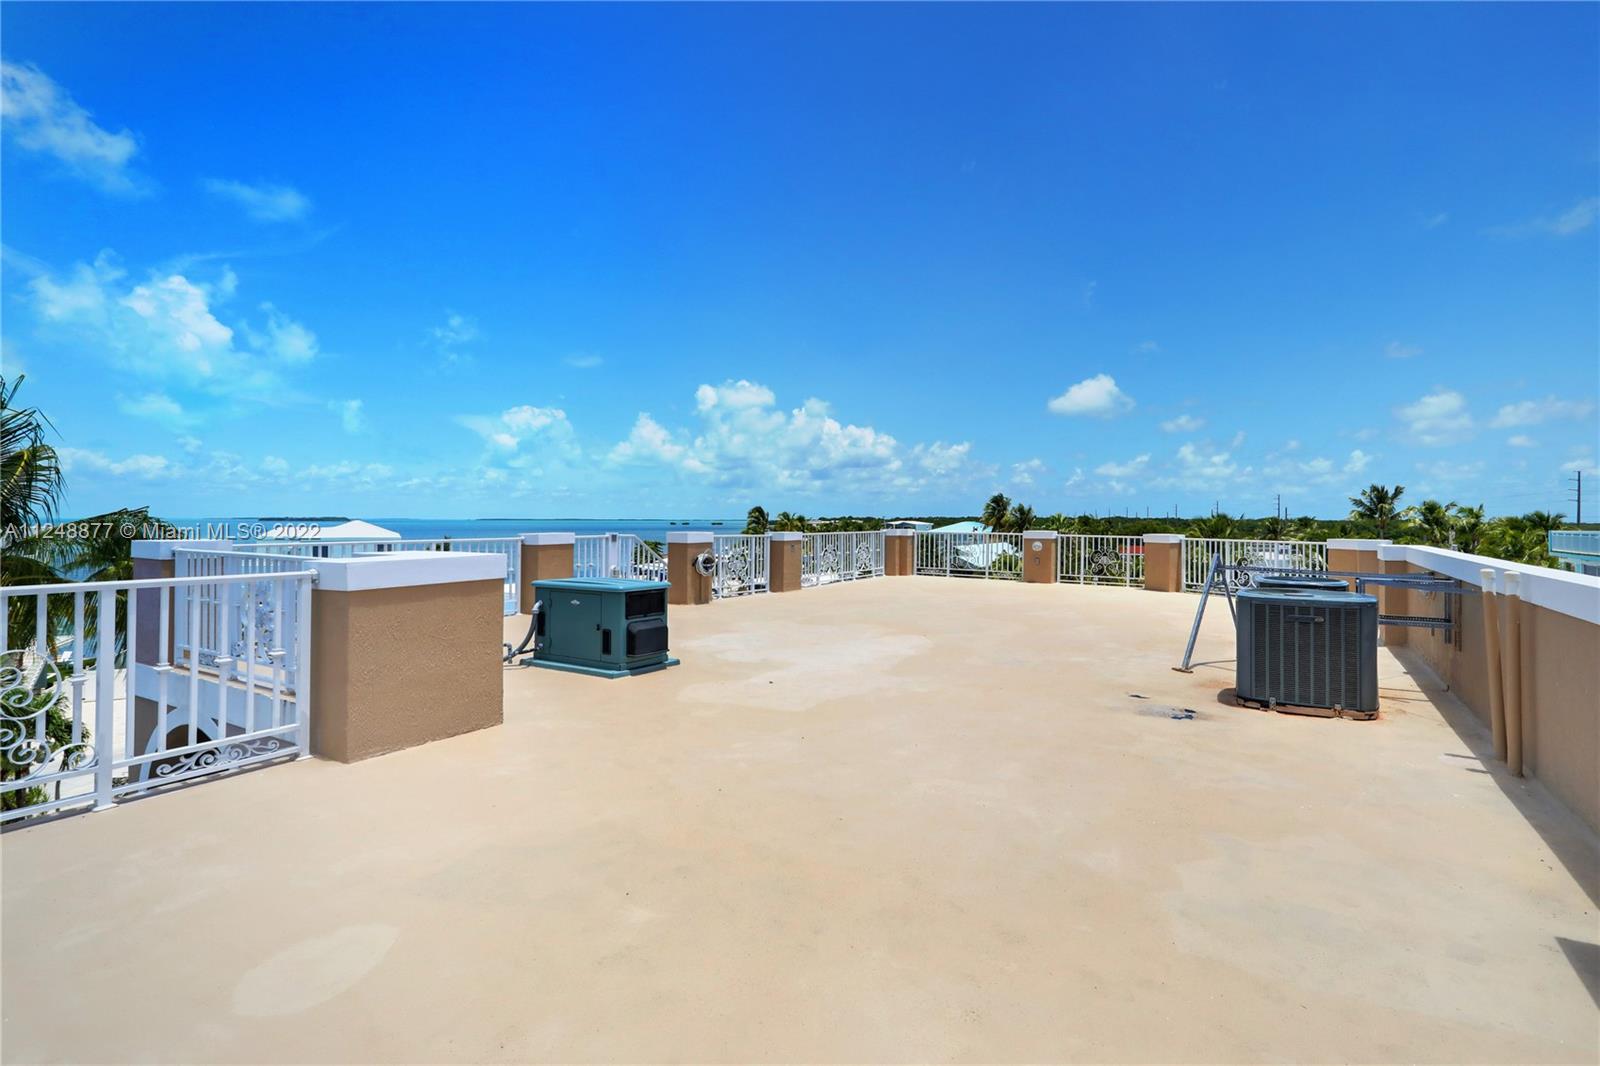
(1308, 649)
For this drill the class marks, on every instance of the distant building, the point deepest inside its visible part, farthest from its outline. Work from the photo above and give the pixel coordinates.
(907, 523)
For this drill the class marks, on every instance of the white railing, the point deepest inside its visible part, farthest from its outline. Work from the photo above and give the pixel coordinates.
(1088, 559)
(510, 547)
(1284, 554)
(742, 560)
(624, 555)
(829, 557)
(78, 729)
(976, 554)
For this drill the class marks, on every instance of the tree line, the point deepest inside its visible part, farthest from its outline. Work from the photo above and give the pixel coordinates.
(1374, 512)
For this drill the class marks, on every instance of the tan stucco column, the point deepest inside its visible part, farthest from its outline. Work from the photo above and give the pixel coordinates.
(783, 564)
(1393, 600)
(544, 556)
(1039, 556)
(405, 650)
(899, 552)
(1163, 562)
(688, 587)
(1358, 554)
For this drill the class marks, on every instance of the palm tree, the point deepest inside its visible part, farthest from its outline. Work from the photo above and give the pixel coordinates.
(1544, 520)
(1435, 522)
(1020, 519)
(1214, 527)
(1377, 505)
(1469, 529)
(756, 521)
(1275, 528)
(31, 482)
(996, 511)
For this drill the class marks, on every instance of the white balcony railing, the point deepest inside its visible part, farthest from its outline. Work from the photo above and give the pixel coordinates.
(124, 685)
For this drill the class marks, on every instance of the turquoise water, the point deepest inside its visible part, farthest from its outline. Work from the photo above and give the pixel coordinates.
(428, 528)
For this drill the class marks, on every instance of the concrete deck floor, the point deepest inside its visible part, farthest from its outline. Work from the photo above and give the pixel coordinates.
(908, 819)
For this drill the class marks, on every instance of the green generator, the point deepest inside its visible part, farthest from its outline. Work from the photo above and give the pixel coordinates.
(606, 626)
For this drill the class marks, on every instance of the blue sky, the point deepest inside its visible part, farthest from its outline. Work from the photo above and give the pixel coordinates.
(540, 261)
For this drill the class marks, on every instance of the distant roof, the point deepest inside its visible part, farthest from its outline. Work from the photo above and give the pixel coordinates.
(907, 523)
(356, 530)
(963, 527)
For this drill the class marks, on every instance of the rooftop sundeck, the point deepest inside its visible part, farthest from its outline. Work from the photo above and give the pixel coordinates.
(907, 819)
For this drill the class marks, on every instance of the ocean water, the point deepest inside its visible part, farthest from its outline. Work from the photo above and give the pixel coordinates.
(428, 528)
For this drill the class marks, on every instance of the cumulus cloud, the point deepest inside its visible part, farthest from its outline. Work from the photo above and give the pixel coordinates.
(1585, 463)
(744, 442)
(42, 117)
(1024, 472)
(1533, 412)
(167, 326)
(449, 339)
(263, 201)
(1440, 417)
(1098, 396)
(1183, 424)
(527, 432)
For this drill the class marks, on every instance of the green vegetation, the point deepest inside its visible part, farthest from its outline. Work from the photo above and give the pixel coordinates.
(1374, 512)
(36, 550)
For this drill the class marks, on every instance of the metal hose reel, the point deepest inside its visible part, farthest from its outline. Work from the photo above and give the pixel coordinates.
(705, 564)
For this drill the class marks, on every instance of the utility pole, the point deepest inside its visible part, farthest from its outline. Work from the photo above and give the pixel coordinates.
(1277, 508)
(1578, 495)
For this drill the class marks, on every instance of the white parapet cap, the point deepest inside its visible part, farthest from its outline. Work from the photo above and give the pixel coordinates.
(689, 538)
(533, 540)
(1562, 591)
(786, 535)
(1163, 538)
(899, 532)
(1355, 544)
(162, 549)
(1039, 534)
(393, 570)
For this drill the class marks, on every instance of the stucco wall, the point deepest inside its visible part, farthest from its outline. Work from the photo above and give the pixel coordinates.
(398, 667)
(1561, 677)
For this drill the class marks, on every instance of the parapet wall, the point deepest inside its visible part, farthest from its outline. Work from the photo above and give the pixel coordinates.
(1558, 659)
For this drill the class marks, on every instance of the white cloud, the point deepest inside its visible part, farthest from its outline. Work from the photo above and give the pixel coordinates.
(1532, 412)
(157, 406)
(1586, 464)
(744, 443)
(1202, 466)
(143, 467)
(1024, 472)
(1519, 440)
(457, 332)
(1146, 348)
(190, 444)
(167, 327)
(1438, 418)
(262, 201)
(1397, 350)
(532, 434)
(1574, 220)
(1238, 439)
(351, 414)
(1434, 221)
(1357, 462)
(583, 361)
(1098, 396)
(42, 117)
(273, 464)
(1444, 472)
(1130, 468)
(1183, 424)
(284, 338)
